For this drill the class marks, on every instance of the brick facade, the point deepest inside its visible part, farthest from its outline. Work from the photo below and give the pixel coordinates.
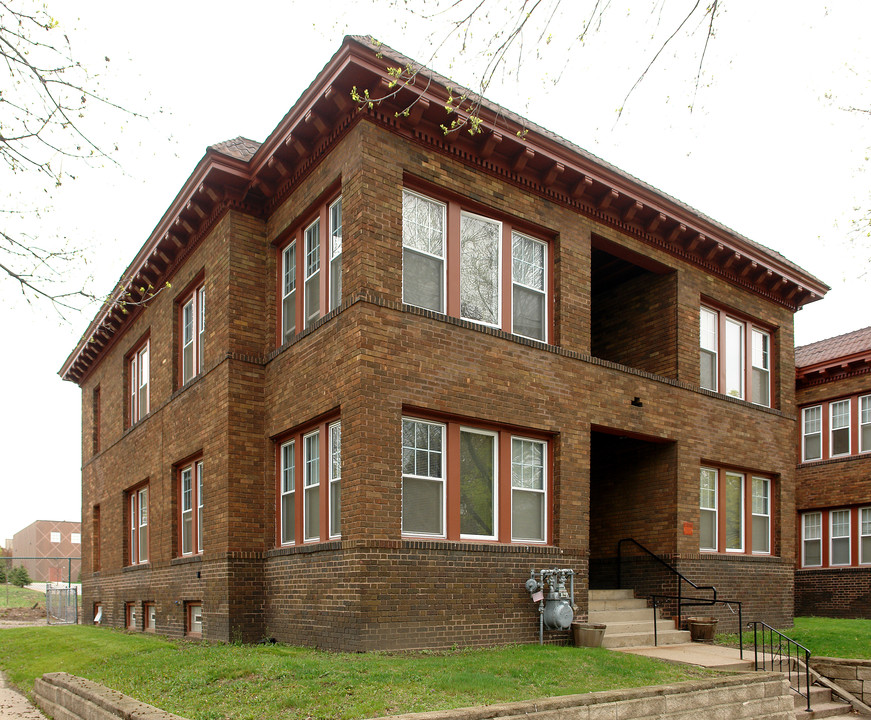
(52, 548)
(613, 394)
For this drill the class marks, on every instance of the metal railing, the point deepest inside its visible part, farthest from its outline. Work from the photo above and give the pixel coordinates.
(781, 651)
(691, 602)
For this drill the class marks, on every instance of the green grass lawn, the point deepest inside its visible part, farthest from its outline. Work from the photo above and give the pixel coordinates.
(11, 596)
(205, 681)
(824, 637)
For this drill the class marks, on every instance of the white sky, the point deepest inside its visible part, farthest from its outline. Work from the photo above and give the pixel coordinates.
(768, 151)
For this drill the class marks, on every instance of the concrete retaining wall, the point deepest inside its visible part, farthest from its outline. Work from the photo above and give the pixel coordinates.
(852, 675)
(738, 697)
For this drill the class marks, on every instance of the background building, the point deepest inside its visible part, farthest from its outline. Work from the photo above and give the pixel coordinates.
(50, 540)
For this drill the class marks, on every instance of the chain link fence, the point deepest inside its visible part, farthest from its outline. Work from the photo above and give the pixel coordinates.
(62, 605)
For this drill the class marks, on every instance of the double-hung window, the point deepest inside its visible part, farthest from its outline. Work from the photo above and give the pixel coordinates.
(726, 499)
(812, 539)
(138, 375)
(839, 526)
(456, 261)
(191, 504)
(310, 468)
(812, 433)
(865, 423)
(865, 536)
(311, 259)
(138, 524)
(192, 333)
(472, 483)
(727, 364)
(839, 441)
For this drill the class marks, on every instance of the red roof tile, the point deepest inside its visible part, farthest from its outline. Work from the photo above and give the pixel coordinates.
(837, 347)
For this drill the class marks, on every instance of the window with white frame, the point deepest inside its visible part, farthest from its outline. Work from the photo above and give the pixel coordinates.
(193, 332)
(865, 423)
(734, 512)
(865, 536)
(335, 431)
(839, 526)
(336, 254)
(723, 363)
(812, 433)
(138, 524)
(312, 283)
(812, 539)
(191, 503)
(138, 375)
(479, 485)
(839, 442)
(489, 291)
(708, 509)
(149, 616)
(312, 482)
(76, 538)
(761, 511)
(195, 619)
(288, 292)
(287, 490)
(528, 490)
(54, 537)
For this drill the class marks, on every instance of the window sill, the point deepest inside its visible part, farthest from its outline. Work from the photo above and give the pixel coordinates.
(134, 568)
(186, 559)
(839, 459)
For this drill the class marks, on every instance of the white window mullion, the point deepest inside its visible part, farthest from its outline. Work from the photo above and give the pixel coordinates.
(311, 487)
(335, 479)
(812, 539)
(288, 493)
(812, 433)
(288, 296)
(335, 240)
(708, 509)
(528, 490)
(423, 478)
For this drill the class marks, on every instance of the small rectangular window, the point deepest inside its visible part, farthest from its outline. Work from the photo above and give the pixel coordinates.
(195, 619)
(708, 510)
(288, 292)
(336, 254)
(812, 433)
(708, 321)
(761, 376)
(149, 617)
(139, 380)
(865, 424)
(312, 272)
(76, 538)
(761, 506)
(423, 479)
(335, 480)
(311, 486)
(423, 251)
(130, 615)
(812, 539)
(138, 523)
(839, 521)
(54, 537)
(288, 493)
(840, 428)
(528, 490)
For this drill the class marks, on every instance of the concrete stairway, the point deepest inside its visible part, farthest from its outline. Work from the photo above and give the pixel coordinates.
(629, 621)
(823, 705)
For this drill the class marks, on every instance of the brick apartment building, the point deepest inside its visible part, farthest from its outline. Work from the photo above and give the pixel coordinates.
(397, 369)
(49, 541)
(833, 478)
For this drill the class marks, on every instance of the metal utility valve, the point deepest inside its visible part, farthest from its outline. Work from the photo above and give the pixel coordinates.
(555, 603)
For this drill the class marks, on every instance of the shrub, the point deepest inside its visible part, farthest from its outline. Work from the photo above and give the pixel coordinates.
(19, 576)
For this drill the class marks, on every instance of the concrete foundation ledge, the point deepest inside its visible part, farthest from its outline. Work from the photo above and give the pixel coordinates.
(67, 697)
(854, 676)
(747, 696)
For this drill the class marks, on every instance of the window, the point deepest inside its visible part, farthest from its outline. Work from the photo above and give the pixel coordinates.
(302, 474)
(812, 433)
(865, 424)
(138, 376)
(491, 501)
(191, 506)
(812, 539)
(726, 499)
(130, 615)
(865, 536)
(54, 537)
(149, 617)
(840, 537)
(761, 506)
(95, 538)
(723, 356)
(98, 613)
(839, 444)
(302, 266)
(95, 421)
(138, 519)
(76, 538)
(194, 619)
(476, 249)
(193, 333)
(708, 510)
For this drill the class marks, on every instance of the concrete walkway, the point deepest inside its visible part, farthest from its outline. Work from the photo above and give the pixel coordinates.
(717, 657)
(14, 706)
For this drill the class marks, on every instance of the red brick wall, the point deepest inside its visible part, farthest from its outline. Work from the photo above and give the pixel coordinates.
(842, 592)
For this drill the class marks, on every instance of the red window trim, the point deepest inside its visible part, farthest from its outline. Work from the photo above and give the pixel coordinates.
(826, 537)
(96, 419)
(146, 625)
(97, 607)
(747, 540)
(322, 426)
(505, 432)
(95, 538)
(188, 607)
(191, 290)
(131, 410)
(190, 462)
(129, 616)
(750, 323)
(825, 427)
(456, 204)
(320, 210)
(134, 492)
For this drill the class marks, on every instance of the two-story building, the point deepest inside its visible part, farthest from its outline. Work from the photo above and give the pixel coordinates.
(396, 369)
(833, 478)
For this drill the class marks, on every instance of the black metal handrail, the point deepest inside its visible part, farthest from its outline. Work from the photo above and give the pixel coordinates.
(680, 576)
(691, 601)
(780, 652)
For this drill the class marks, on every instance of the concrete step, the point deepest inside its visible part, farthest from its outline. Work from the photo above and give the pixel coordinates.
(620, 628)
(611, 594)
(606, 616)
(819, 694)
(668, 637)
(617, 604)
(823, 709)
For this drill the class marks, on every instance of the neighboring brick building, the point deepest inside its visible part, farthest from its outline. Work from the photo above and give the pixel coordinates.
(50, 540)
(396, 370)
(833, 478)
